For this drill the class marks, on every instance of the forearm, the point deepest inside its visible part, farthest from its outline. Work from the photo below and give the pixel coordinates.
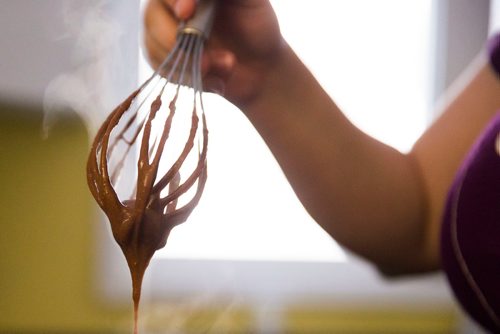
(365, 194)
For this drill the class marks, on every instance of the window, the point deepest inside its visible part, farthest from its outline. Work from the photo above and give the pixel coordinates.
(373, 58)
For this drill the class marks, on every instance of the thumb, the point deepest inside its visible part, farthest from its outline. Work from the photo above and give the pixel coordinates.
(184, 9)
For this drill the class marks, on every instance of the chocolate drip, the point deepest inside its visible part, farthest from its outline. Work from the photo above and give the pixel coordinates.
(142, 224)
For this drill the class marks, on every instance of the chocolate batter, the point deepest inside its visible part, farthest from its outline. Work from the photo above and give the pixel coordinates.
(142, 224)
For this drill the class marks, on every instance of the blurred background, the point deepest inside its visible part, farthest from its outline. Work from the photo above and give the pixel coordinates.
(232, 268)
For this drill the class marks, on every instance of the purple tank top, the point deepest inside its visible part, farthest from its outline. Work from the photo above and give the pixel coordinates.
(470, 236)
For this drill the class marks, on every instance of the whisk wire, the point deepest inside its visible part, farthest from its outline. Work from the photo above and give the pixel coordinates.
(135, 134)
(140, 115)
(172, 108)
(174, 170)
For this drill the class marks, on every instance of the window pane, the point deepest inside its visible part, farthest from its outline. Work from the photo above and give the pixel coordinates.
(372, 57)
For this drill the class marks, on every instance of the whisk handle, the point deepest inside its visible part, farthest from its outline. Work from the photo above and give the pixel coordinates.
(201, 22)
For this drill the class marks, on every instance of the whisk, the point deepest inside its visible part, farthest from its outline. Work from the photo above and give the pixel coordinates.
(138, 155)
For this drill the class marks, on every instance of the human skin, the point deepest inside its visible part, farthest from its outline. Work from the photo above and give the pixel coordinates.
(378, 202)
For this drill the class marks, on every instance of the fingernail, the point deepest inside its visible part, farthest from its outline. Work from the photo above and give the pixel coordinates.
(178, 8)
(217, 86)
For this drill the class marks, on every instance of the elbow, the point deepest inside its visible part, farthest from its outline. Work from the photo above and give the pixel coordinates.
(403, 269)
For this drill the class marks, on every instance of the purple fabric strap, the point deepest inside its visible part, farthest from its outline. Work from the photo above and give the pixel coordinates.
(470, 236)
(494, 52)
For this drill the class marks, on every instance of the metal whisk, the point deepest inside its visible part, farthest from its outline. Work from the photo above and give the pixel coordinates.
(147, 166)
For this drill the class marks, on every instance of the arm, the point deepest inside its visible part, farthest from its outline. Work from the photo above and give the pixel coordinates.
(376, 201)
(465, 110)
(365, 194)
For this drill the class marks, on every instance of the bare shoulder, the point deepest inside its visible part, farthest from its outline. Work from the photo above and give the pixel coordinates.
(465, 110)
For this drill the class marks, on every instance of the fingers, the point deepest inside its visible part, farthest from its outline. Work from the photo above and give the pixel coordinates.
(217, 67)
(160, 30)
(218, 62)
(182, 9)
(161, 18)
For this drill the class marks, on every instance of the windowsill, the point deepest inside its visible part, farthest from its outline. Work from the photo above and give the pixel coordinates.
(352, 283)
(288, 282)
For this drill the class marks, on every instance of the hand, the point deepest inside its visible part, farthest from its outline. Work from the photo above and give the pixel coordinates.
(245, 43)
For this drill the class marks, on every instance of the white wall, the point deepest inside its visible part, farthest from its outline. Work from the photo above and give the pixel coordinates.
(495, 16)
(461, 28)
(43, 42)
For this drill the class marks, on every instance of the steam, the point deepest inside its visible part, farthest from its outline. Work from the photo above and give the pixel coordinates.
(199, 314)
(99, 76)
